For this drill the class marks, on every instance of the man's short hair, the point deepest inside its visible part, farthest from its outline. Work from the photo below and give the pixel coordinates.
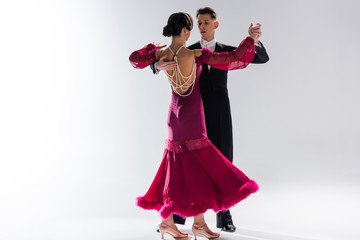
(207, 10)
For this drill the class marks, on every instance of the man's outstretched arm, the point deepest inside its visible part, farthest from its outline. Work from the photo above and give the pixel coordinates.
(162, 65)
(261, 55)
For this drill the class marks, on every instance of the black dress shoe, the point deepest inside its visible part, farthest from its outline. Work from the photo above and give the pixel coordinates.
(224, 221)
(228, 226)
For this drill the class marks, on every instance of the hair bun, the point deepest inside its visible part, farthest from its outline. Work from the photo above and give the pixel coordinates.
(175, 24)
(168, 31)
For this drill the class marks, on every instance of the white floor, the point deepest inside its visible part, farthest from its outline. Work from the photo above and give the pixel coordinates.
(116, 229)
(325, 212)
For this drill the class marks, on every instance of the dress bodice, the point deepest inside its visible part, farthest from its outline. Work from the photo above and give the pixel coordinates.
(186, 119)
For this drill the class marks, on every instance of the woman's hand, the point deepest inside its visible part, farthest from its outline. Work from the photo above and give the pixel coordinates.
(159, 46)
(162, 64)
(255, 32)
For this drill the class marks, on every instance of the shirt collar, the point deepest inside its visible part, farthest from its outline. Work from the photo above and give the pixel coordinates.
(207, 44)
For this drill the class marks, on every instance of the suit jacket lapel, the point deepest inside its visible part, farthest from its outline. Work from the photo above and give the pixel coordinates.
(197, 45)
(218, 47)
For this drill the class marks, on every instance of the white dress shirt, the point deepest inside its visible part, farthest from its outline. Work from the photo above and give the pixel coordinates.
(208, 44)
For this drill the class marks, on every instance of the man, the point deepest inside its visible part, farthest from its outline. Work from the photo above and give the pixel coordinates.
(213, 88)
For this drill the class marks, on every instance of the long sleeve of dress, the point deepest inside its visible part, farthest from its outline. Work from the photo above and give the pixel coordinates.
(143, 57)
(236, 59)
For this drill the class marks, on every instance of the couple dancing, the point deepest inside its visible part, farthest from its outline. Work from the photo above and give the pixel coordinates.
(194, 175)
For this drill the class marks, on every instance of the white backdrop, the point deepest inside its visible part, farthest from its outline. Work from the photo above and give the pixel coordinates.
(82, 132)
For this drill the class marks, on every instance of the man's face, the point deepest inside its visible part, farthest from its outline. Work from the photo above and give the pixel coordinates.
(207, 26)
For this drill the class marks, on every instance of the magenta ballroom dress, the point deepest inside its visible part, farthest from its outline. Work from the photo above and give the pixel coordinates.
(194, 175)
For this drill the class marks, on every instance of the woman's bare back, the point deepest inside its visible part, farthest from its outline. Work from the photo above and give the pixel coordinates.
(184, 74)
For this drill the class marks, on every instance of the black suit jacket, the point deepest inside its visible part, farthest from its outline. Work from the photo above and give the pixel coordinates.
(214, 92)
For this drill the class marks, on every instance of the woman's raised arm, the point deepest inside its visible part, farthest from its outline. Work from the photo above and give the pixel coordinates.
(237, 59)
(143, 57)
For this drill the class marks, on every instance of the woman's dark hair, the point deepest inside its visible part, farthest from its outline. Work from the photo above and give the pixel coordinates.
(176, 22)
(207, 10)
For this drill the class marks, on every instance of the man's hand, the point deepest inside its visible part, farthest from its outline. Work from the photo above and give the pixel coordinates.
(255, 32)
(165, 66)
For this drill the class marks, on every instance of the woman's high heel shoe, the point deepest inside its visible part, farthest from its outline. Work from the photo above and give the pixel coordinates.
(174, 232)
(204, 230)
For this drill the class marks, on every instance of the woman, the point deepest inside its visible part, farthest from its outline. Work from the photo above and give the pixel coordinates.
(193, 176)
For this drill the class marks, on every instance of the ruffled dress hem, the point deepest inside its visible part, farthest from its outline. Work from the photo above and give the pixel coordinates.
(194, 209)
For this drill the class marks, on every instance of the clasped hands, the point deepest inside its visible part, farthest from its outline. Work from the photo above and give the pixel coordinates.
(255, 32)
